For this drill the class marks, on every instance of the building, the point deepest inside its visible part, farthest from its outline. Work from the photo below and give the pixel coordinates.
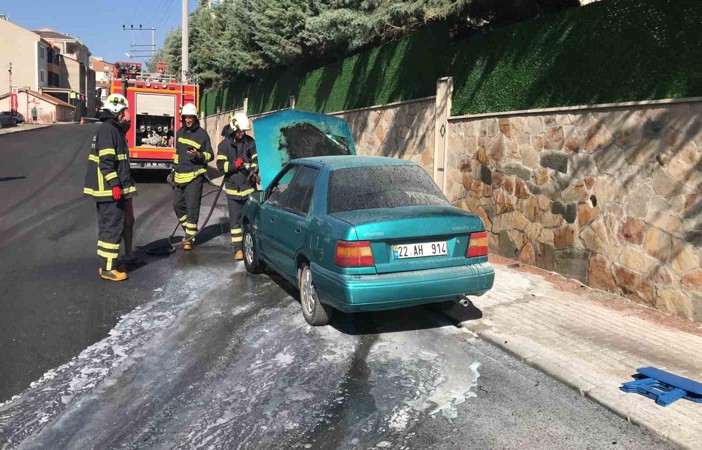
(103, 76)
(27, 54)
(76, 78)
(49, 109)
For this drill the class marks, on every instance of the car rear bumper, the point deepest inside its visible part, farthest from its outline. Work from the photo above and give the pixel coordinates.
(358, 293)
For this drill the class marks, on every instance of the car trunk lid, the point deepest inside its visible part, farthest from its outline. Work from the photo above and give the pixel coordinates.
(414, 237)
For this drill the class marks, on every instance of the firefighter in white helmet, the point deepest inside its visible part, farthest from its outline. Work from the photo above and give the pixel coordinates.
(227, 130)
(238, 160)
(109, 181)
(193, 152)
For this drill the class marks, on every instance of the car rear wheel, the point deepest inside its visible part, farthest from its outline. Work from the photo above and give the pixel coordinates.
(315, 312)
(251, 260)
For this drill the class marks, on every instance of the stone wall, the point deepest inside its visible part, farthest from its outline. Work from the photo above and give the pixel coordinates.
(403, 130)
(610, 196)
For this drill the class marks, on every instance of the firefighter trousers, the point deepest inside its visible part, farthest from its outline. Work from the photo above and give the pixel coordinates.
(186, 204)
(236, 208)
(111, 217)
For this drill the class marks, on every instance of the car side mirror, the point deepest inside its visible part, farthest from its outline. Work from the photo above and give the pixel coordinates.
(258, 196)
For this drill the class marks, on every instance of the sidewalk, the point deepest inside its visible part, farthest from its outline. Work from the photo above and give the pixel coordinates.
(23, 127)
(593, 341)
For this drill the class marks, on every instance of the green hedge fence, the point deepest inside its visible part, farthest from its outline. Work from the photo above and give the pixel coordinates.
(609, 51)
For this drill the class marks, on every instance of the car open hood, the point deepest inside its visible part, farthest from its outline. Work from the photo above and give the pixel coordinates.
(293, 134)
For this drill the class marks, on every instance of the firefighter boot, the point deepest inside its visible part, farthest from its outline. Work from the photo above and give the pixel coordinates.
(188, 246)
(113, 275)
(239, 255)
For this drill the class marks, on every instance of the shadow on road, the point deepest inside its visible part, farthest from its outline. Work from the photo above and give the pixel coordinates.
(11, 178)
(162, 247)
(404, 319)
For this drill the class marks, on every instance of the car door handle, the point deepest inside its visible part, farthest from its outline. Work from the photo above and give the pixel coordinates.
(298, 230)
(272, 219)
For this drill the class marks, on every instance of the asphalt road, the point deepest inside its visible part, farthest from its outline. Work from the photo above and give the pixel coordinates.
(192, 352)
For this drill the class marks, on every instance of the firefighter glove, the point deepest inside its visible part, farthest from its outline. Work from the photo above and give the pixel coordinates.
(239, 162)
(116, 193)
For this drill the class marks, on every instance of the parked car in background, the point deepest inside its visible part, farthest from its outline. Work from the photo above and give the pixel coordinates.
(7, 119)
(361, 233)
(19, 118)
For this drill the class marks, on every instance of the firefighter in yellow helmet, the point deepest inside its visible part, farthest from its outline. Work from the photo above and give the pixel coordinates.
(109, 181)
(238, 160)
(193, 152)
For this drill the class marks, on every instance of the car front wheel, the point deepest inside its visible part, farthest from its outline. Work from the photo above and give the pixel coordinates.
(315, 312)
(252, 262)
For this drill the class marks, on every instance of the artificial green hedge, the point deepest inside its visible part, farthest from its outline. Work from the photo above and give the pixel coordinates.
(609, 51)
(404, 69)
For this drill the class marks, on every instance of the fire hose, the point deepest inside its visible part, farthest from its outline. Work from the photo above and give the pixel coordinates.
(170, 246)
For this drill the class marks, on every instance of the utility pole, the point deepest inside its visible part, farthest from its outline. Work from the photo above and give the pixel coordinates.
(134, 49)
(184, 46)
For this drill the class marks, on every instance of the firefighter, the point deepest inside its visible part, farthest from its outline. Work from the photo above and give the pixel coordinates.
(193, 152)
(238, 160)
(109, 182)
(227, 130)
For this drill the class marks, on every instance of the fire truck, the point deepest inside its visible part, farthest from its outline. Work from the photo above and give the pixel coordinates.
(155, 100)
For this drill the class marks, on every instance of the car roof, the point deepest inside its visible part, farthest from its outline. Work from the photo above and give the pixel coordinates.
(345, 162)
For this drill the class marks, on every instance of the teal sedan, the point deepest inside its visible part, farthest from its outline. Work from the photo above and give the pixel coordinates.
(360, 234)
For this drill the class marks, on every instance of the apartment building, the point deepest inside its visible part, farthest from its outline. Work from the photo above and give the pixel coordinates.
(26, 54)
(103, 76)
(76, 79)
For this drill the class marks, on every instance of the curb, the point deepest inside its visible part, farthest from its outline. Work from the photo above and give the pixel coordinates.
(14, 130)
(585, 391)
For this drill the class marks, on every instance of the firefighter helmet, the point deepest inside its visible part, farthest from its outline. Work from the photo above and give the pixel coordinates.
(239, 121)
(115, 103)
(188, 110)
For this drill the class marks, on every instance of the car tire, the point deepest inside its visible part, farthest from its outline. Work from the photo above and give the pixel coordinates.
(252, 262)
(315, 312)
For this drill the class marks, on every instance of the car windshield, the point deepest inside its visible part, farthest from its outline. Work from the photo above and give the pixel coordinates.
(359, 188)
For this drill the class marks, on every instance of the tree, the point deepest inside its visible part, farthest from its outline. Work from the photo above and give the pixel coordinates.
(247, 37)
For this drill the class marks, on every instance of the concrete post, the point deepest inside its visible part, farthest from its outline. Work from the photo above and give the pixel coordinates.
(444, 95)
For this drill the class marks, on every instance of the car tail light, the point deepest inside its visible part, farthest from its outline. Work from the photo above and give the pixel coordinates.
(353, 254)
(478, 245)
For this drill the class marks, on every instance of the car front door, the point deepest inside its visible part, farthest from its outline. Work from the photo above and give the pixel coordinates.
(276, 198)
(291, 226)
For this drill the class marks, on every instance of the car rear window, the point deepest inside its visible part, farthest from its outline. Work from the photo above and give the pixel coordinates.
(358, 188)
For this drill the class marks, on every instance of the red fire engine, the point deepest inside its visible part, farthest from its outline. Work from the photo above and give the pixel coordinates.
(155, 100)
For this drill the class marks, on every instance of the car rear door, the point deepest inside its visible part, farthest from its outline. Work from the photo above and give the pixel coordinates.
(291, 226)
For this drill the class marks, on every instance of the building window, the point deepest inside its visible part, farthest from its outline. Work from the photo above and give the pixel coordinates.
(42, 75)
(41, 52)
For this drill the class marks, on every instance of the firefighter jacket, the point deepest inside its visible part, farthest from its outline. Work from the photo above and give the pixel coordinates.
(238, 182)
(188, 168)
(108, 162)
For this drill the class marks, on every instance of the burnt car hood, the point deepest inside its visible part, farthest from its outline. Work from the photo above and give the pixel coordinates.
(292, 134)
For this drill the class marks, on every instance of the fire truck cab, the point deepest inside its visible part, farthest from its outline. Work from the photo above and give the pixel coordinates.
(155, 100)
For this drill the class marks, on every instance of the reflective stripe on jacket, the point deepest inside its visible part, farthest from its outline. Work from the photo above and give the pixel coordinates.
(238, 182)
(108, 163)
(186, 167)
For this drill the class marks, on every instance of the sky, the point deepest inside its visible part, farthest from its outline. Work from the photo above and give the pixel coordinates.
(98, 23)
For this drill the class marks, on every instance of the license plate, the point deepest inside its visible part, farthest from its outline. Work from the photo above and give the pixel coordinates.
(423, 250)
